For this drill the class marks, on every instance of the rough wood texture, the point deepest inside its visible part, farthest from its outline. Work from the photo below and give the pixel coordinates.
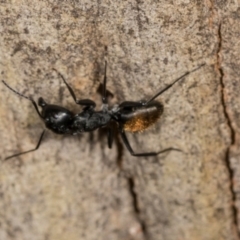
(75, 187)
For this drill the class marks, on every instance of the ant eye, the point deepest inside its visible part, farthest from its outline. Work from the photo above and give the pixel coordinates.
(41, 102)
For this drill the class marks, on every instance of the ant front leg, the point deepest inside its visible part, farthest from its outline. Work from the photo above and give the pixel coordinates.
(89, 103)
(84, 102)
(38, 145)
(128, 146)
(104, 92)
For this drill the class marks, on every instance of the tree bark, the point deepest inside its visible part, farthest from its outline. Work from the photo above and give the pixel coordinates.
(74, 187)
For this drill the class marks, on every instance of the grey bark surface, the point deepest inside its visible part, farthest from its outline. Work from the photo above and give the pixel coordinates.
(75, 187)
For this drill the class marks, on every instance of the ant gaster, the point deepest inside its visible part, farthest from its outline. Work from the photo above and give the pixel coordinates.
(130, 116)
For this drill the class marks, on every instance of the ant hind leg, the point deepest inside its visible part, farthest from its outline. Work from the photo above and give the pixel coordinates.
(128, 146)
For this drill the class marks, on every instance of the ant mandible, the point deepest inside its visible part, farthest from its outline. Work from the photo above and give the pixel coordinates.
(130, 116)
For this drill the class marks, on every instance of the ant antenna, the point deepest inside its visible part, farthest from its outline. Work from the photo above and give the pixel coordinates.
(170, 85)
(16, 91)
(21, 95)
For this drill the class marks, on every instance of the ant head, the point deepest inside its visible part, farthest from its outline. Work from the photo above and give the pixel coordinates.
(41, 102)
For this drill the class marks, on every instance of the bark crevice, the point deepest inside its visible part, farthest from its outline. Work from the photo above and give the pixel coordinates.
(136, 208)
(232, 132)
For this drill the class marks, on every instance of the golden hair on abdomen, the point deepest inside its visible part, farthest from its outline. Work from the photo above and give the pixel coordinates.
(143, 117)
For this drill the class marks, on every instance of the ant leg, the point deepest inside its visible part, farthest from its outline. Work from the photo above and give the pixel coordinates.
(68, 86)
(104, 92)
(38, 144)
(21, 95)
(129, 104)
(85, 102)
(126, 142)
(170, 85)
(110, 137)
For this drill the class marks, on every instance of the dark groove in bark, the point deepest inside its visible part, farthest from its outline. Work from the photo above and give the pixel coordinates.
(232, 133)
(136, 208)
(133, 194)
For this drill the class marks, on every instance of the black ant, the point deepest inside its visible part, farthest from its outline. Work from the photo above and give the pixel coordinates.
(130, 116)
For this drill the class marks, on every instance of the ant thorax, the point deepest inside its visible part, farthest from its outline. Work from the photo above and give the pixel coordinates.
(104, 107)
(90, 120)
(115, 108)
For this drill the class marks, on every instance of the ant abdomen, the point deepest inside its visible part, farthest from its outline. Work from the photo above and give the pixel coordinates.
(142, 117)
